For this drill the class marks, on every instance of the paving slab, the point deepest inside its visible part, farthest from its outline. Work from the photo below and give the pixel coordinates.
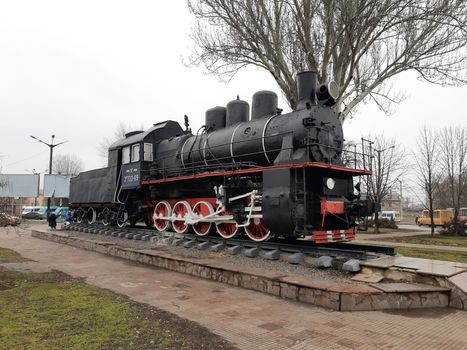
(423, 266)
(366, 277)
(387, 261)
(460, 281)
(407, 287)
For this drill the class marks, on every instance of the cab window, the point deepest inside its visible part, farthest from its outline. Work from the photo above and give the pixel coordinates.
(126, 155)
(135, 153)
(148, 157)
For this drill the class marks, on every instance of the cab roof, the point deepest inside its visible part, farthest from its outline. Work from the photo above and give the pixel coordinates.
(159, 131)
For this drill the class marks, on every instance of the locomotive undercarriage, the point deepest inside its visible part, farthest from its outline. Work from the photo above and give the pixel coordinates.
(285, 202)
(233, 205)
(229, 206)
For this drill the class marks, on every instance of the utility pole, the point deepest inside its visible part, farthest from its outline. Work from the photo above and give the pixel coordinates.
(51, 147)
(401, 207)
(378, 195)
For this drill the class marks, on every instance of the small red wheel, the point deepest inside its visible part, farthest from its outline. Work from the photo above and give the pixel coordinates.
(161, 216)
(179, 213)
(257, 231)
(226, 229)
(200, 210)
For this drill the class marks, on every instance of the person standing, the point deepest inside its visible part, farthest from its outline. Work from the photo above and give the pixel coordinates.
(52, 221)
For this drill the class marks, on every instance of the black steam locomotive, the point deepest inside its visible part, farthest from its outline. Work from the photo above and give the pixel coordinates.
(274, 175)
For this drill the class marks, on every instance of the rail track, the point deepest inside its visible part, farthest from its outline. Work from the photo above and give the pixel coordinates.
(216, 243)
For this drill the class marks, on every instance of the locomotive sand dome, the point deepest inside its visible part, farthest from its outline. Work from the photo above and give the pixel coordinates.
(274, 175)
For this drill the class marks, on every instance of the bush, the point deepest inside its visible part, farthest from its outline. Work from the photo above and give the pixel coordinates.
(384, 223)
(8, 220)
(454, 229)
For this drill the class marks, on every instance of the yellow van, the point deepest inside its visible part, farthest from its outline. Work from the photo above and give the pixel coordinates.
(441, 217)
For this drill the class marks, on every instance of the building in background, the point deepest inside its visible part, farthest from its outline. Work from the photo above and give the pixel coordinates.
(21, 190)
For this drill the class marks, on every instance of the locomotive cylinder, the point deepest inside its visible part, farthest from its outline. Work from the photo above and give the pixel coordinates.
(264, 103)
(237, 111)
(215, 118)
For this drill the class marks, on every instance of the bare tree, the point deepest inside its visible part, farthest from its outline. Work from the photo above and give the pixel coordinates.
(119, 133)
(3, 200)
(427, 158)
(67, 165)
(454, 160)
(349, 157)
(386, 164)
(2, 183)
(361, 44)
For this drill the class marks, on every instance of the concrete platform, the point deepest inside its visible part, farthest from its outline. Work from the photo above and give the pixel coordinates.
(438, 273)
(324, 293)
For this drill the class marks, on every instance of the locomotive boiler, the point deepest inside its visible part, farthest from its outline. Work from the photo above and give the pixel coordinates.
(274, 175)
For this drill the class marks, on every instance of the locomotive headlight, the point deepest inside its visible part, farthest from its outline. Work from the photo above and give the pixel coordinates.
(330, 183)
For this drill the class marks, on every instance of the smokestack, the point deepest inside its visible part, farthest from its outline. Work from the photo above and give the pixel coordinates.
(306, 89)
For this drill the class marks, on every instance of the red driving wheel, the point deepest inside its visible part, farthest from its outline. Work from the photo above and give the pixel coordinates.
(202, 209)
(226, 229)
(257, 231)
(161, 215)
(179, 212)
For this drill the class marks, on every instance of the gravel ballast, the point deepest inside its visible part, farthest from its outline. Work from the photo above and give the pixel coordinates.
(282, 265)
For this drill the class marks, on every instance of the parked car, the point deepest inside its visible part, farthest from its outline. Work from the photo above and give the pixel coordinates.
(37, 213)
(26, 210)
(391, 215)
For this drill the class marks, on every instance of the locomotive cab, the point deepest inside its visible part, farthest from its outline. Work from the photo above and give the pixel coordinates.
(136, 152)
(136, 160)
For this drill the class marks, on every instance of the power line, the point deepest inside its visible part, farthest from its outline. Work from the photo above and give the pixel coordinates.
(22, 160)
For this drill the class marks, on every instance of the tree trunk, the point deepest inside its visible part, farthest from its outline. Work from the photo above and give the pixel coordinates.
(432, 221)
(377, 220)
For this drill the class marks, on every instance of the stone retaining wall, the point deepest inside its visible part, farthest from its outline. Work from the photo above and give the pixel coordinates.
(332, 295)
(457, 296)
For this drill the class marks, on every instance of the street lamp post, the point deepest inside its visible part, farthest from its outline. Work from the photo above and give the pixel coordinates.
(51, 147)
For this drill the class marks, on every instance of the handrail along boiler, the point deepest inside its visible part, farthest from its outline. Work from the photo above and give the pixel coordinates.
(272, 175)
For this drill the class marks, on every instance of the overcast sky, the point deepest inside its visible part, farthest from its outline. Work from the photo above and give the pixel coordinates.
(76, 69)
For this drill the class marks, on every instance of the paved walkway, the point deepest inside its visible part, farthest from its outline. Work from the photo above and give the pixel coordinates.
(361, 236)
(412, 245)
(249, 319)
